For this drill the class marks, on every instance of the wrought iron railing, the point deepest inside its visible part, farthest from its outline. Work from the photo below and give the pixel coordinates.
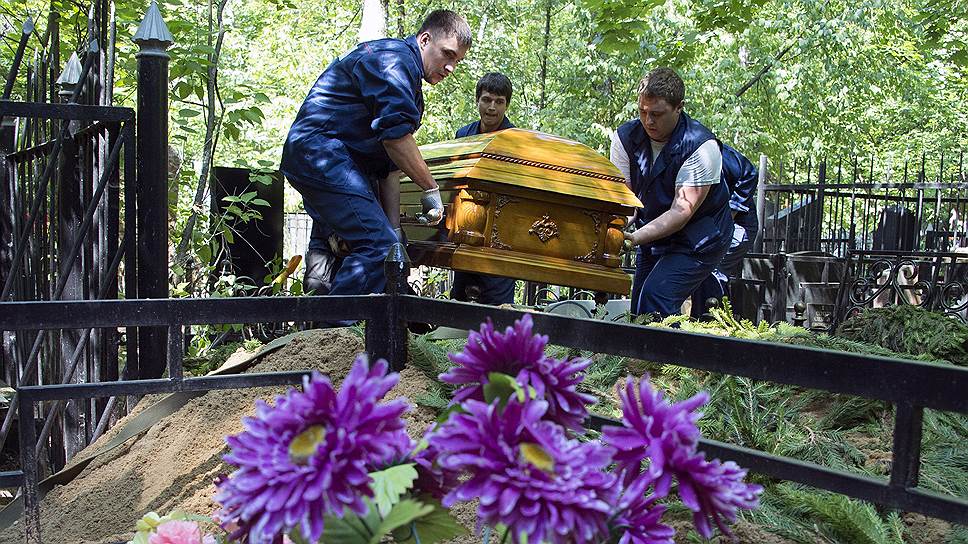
(909, 386)
(932, 280)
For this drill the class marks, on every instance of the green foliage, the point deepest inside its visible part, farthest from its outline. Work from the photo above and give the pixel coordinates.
(842, 518)
(389, 484)
(910, 329)
(437, 526)
(430, 358)
(392, 512)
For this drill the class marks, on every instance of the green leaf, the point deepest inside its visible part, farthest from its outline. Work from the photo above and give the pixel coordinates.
(388, 485)
(205, 253)
(259, 202)
(445, 415)
(501, 386)
(185, 112)
(437, 526)
(350, 529)
(403, 514)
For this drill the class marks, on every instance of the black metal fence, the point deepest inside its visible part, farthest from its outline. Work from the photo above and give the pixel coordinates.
(910, 386)
(935, 281)
(858, 205)
(63, 157)
(68, 246)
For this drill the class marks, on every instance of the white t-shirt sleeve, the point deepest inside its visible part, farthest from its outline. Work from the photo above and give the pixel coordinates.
(703, 167)
(619, 157)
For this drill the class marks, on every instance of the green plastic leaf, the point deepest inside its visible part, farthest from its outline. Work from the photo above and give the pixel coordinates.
(436, 526)
(403, 513)
(501, 386)
(445, 415)
(350, 529)
(388, 485)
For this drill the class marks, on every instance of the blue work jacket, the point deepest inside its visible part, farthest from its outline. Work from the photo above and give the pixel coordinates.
(653, 180)
(741, 178)
(473, 129)
(371, 94)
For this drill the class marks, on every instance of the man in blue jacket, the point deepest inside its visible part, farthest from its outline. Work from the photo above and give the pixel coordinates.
(741, 177)
(493, 96)
(355, 126)
(674, 165)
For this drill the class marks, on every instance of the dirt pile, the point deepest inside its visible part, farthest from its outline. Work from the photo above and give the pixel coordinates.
(173, 464)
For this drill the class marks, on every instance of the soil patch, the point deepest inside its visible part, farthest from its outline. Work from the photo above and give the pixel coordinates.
(174, 463)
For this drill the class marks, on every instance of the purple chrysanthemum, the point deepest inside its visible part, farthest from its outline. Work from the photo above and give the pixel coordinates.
(431, 478)
(715, 491)
(527, 474)
(310, 454)
(520, 354)
(640, 519)
(666, 434)
(655, 429)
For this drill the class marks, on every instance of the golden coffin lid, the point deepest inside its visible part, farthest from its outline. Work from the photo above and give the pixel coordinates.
(532, 161)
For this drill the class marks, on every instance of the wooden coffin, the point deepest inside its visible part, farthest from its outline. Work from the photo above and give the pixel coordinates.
(525, 205)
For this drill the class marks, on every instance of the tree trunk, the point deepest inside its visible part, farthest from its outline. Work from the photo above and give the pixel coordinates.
(373, 25)
(210, 133)
(544, 63)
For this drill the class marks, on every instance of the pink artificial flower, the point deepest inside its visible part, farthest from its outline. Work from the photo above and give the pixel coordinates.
(179, 532)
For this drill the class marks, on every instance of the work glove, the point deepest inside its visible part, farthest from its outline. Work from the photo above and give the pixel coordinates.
(433, 207)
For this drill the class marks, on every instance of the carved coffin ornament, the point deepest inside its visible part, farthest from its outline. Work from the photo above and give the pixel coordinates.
(526, 205)
(545, 229)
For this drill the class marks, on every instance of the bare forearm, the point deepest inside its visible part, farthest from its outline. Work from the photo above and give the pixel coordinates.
(390, 197)
(666, 224)
(687, 201)
(406, 155)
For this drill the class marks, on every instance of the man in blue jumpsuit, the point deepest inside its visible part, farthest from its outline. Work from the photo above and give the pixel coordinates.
(355, 126)
(674, 165)
(493, 96)
(741, 177)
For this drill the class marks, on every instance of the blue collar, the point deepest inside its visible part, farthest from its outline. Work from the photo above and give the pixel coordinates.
(411, 42)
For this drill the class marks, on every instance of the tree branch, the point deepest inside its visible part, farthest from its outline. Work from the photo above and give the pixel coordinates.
(210, 139)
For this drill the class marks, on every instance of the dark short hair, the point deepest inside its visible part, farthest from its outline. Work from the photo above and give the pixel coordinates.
(663, 83)
(494, 83)
(443, 22)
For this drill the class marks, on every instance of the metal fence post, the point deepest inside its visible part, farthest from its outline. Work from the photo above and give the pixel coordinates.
(386, 335)
(906, 461)
(153, 39)
(70, 214)
(760, 206)
(28, 464)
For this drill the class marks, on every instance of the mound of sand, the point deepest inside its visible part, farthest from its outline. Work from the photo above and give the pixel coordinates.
(174, 463)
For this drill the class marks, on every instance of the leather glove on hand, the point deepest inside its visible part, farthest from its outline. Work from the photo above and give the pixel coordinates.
(433, 207)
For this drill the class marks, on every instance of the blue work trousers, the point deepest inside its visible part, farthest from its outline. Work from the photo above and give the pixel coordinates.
(494, 290)
(663, 282)
(352, 212)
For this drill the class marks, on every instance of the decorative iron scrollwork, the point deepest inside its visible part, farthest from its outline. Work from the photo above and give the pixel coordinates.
(934, 281)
